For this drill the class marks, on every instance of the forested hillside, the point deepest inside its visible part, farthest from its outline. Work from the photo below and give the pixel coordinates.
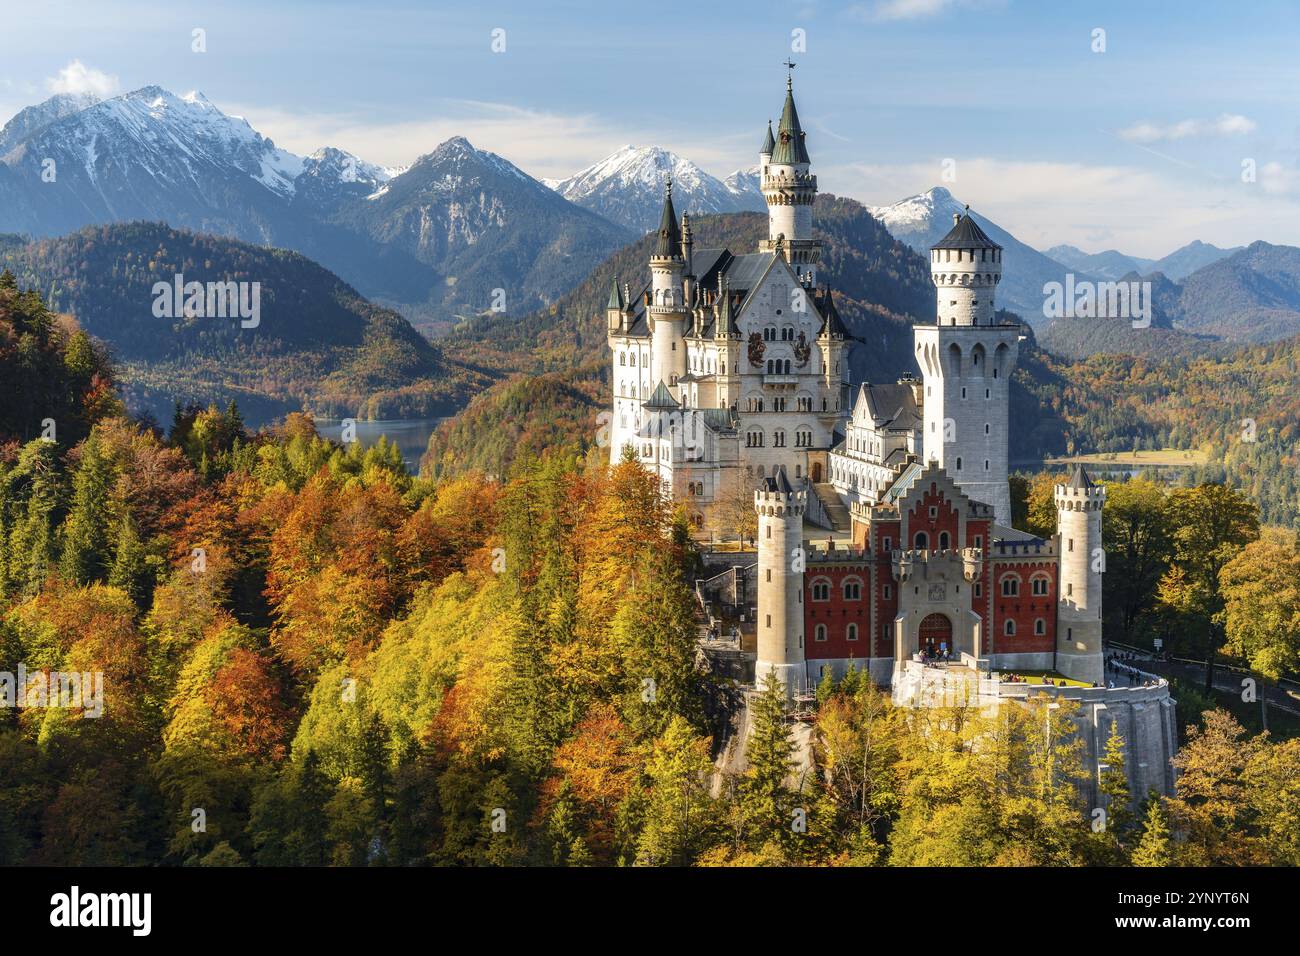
(317, 344)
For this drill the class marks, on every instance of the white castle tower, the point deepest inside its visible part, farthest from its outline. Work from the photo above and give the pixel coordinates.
(966, 359)
(780, 580)
(790, 190)
(1078, 619)
(666, 314)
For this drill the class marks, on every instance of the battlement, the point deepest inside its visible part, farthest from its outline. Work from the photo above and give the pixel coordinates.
(780, 503)
(837, 555)
(1069, 498)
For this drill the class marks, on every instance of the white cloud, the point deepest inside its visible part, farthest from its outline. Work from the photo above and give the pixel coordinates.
(887, 10)
(543, 144)
(76, 77)
(1135, 210)
(1229, 124)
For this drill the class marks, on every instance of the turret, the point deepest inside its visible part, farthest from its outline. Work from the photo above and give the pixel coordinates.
(666, 312)
(1079, 504)
(966, 267)
(790, 190)
(614, 307)
(765, 152)
(780, 510)
(966, 359)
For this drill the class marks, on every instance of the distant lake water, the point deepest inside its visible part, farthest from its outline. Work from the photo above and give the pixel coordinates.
(411, 435)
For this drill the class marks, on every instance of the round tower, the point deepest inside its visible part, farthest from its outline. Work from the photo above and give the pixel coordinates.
(1078, 616)
(666, 313)
(965, 267)
(966, 359)
(780, 580)
(790, 190)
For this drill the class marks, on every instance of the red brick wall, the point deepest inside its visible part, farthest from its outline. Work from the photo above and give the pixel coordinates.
(1024, 609)
(837, 613)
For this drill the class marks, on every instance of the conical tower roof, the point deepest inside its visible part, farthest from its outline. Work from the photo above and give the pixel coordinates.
(966, 234)
(769, 143)
(615, 296)
(790, 148)
(1079, 478)
(669, 245)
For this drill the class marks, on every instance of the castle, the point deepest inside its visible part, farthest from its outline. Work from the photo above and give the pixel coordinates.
(730, 383)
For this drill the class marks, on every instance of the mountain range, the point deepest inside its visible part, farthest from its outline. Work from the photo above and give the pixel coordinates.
(627, 187)
(1111, 264)
(435, 240)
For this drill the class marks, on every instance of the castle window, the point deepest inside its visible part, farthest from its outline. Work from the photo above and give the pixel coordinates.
(986, 428)
(963, 391)
(1070, 546)
(922, 541)
(934, 512)
(979, 589)
(1039, 586)
(1009, 628)
(943, 541)
(1069, 589)
(887, 544)
(819, 632)
(1040, 627)
(853, 590)
(888, 591)
(851, 632)
(769, 574)
(986, 464)
(769, 620)
(959, 463)
(821, 590)
(1010, 586)
(979, 540)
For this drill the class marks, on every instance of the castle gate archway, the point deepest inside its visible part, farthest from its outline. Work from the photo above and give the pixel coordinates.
(935, 634)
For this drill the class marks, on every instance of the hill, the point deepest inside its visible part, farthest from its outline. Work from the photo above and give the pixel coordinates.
(317, 344)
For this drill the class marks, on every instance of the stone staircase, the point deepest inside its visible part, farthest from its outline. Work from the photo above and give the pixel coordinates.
(834, 509)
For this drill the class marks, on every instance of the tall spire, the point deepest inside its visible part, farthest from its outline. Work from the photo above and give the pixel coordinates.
(769, 143)
(790, 148)
(615, 296)
(670, 237)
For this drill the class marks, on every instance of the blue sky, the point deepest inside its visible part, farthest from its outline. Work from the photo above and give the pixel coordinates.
(1139, 147)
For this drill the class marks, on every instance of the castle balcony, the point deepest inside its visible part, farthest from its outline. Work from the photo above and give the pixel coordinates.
(780, 381)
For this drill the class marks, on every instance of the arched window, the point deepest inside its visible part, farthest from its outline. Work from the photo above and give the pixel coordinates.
(1011, 586)
(1040, 627)
(819, 632)
(853, 589)
(943, 540)
(1039, 585)
(851, 632)
(821, 590)
(922, 541)
(1009, 628)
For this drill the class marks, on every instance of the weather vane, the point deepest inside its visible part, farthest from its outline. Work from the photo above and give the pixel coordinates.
(789, 65)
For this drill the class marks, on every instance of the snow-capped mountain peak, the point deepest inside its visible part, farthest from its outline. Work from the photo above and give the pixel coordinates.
(627, 186)
(934, 205)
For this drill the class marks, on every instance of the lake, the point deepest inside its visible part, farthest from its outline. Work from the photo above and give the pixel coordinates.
(411, 435)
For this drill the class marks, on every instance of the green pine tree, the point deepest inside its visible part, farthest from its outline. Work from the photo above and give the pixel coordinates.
(86, 549)
(766, 803)
(1155, 848)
